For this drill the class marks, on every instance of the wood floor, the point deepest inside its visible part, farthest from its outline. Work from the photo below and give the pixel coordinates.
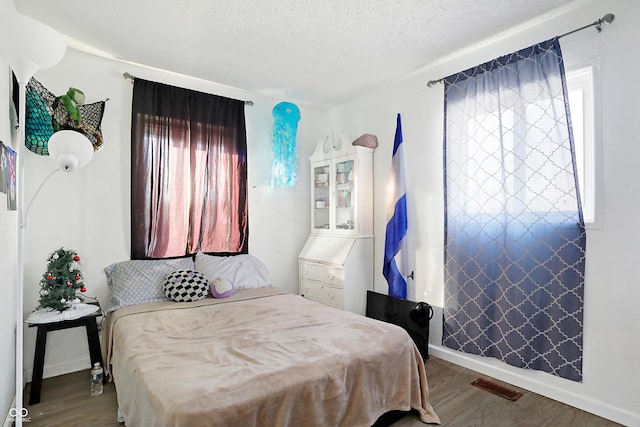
(65, 401)
(460, 404)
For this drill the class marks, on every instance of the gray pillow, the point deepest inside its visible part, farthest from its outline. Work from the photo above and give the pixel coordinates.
(141, 281)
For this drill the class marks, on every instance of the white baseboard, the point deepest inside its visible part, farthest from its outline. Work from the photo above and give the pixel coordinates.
(8, 420)
(541, 387)
(53, 370)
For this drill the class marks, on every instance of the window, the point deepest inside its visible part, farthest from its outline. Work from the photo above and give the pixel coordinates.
(188, 173)
(580, 87)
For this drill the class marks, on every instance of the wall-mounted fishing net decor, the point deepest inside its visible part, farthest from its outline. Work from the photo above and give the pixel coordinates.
(285, 158)
(47, 113)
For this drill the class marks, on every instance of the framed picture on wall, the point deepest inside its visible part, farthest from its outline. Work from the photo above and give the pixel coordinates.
(4, 172)
(8, 175)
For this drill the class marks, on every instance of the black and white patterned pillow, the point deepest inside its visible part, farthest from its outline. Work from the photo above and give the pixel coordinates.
(185, 286)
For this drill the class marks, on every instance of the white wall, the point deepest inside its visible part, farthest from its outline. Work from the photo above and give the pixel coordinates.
(611, 384)
(8, 242)
(88, 210)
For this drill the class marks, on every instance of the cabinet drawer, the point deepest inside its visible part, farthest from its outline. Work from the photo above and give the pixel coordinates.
(322, 292)
(322, 273)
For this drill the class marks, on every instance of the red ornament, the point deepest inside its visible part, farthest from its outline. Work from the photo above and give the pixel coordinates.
(49, 277)
(83, 289)
(78, 277)
(76, 258)
(69, 284)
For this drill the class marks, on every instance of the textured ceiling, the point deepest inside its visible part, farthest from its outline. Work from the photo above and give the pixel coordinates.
(318, 52)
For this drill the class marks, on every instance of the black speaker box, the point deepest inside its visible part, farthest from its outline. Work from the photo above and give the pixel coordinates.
(411, 316)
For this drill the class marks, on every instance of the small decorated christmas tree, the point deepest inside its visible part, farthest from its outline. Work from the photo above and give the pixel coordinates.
(62, 280)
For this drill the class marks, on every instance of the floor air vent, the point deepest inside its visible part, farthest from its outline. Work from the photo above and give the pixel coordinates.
(497, 389)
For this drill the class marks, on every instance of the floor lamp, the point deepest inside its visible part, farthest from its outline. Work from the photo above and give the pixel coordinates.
(27, 46)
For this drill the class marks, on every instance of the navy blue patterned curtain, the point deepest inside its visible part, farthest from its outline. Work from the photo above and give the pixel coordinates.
(514, 233)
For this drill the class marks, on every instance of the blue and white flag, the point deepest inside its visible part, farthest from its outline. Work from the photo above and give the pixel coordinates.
(395, 245)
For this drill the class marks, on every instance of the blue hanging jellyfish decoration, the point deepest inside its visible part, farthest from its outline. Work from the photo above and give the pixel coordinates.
(285, 158)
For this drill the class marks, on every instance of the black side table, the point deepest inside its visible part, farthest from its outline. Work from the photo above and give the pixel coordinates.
(93, 339)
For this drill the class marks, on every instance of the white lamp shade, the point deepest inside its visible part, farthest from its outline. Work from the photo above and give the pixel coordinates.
(70, 149)
(28, 45)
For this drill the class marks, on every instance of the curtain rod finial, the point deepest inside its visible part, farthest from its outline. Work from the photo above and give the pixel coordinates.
(606, 19)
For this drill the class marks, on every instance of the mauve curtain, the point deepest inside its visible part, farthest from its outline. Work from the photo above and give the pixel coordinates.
(188, 173)
(514, 234)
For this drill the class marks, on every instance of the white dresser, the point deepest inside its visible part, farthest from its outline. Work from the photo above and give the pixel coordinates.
(336, 263)
(322, 282)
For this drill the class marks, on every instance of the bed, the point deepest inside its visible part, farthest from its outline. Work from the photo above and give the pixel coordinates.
(260, 357)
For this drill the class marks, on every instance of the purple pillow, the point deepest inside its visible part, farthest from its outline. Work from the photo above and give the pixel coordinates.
(221, 288)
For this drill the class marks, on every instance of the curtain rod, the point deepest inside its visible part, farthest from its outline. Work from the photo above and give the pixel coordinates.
(606, 19)
(131, 78)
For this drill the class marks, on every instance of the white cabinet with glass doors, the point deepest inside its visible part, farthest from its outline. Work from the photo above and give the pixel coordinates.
(336, 263)
(341, 188)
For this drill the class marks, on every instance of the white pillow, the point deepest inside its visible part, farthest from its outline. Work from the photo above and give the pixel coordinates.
(242, 271)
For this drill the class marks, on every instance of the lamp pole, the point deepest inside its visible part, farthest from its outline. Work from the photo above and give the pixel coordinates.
(20, 260)
(28, 46)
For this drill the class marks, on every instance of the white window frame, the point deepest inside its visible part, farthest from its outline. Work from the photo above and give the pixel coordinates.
(581, 85)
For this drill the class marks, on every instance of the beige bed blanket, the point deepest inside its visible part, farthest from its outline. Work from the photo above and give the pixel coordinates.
(263, 357)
